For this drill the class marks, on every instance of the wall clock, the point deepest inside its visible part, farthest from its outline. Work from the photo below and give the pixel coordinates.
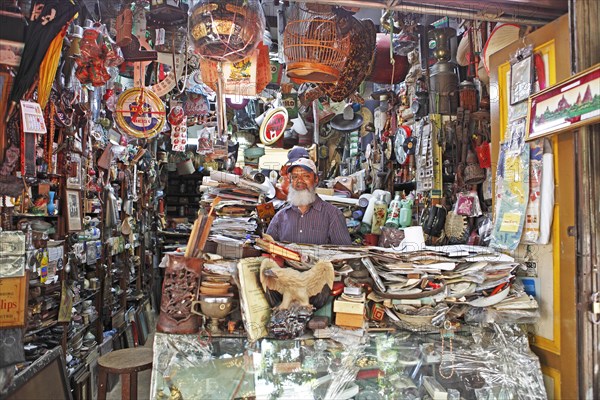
(140, 113)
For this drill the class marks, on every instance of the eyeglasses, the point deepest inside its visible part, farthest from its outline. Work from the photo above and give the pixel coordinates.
(304, 177)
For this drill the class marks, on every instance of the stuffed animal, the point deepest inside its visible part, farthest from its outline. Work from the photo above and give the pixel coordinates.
(285, 287)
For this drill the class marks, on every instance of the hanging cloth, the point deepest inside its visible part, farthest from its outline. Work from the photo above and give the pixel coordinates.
(48, 17)
(49, 66)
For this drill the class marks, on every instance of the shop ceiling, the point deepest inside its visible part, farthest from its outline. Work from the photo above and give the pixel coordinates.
(523, 12)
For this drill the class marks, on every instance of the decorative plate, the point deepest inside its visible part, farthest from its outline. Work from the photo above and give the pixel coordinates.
(140, 113)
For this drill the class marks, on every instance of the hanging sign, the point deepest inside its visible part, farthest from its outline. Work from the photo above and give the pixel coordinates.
(273, 126)
(33, 117)
(176, 62)
(276, 72)
(245, 78)
(290, 102)
(12, 301)
(140, 113)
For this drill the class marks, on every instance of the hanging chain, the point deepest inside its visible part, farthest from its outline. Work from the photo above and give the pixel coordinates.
(449, 332)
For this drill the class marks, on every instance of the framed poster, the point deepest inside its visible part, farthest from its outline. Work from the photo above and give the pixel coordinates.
(74, 181)
(567, 105)
(74, 210)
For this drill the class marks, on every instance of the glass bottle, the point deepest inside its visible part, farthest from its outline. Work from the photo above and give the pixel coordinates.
(379, 214)
(44, 266)
(365, 226)
(393, 212)
(405, 217)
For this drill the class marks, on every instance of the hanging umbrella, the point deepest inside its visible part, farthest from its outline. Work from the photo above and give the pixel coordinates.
(47, 20)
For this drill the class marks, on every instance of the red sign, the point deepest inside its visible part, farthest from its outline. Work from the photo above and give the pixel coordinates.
(273, 126)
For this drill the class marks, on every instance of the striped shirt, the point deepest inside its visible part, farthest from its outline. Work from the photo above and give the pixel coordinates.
(321, 224)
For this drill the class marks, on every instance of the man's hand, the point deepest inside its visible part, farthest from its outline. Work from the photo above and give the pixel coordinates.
(268, 238)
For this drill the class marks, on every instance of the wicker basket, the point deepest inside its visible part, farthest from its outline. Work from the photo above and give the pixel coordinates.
(315, 47)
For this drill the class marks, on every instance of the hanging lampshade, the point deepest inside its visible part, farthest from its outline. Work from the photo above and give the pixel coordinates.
(226, 30)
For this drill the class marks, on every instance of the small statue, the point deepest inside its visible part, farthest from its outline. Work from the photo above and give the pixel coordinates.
(414, 73)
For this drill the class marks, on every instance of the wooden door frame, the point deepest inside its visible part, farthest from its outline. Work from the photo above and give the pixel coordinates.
(558, 354)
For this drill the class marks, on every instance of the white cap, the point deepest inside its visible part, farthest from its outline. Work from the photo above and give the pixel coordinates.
(305, 163)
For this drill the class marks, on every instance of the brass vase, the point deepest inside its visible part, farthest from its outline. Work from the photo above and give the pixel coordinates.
(443, 79)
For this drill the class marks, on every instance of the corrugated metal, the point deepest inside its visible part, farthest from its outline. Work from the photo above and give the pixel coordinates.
(516, 11)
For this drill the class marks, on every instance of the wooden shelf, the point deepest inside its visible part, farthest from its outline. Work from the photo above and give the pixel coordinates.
(28, 215)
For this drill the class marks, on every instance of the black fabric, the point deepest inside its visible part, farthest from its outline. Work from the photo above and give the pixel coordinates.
(47, 19)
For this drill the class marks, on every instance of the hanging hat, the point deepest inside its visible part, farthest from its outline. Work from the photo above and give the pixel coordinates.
(348, 120)
(501, 36)
(463, 50)
(296, 153)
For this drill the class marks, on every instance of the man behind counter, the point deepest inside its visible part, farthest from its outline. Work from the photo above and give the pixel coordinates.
(308, 219)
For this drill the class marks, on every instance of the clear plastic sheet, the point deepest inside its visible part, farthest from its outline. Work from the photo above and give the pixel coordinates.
(481, 362)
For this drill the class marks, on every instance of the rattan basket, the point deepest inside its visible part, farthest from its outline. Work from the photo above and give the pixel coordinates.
(316, 46)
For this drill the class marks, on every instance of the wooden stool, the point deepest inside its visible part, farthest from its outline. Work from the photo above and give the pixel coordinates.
(127, 363)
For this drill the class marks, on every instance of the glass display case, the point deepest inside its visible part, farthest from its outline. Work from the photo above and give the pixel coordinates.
(484, 362)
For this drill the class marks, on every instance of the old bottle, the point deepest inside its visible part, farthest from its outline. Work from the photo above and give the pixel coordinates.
(393, 212)
(405, 218)
(379, 214)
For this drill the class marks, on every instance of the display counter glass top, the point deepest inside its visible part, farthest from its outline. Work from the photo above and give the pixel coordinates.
(492, 362)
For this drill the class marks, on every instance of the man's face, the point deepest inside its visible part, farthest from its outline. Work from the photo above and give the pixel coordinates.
(301, 179)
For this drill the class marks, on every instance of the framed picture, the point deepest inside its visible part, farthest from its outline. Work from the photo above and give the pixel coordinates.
(77, 145)
(11, 52)
(74, 210)
(568, 105)
(140, 319)
(74, 179)
(34, 381)
(129, 336)
(521, 80)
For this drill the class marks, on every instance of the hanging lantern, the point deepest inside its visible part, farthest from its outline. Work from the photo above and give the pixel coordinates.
(169, 12)
(226, 30)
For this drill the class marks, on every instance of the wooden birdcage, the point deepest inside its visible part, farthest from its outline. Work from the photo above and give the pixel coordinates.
(316, 43)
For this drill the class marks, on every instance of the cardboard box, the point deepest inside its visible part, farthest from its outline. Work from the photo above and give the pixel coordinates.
(349, 320)
(348, 307)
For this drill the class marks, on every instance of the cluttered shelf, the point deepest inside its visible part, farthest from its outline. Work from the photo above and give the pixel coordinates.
(80, 328)
(173, 234)
(30, 215)
(38, 330)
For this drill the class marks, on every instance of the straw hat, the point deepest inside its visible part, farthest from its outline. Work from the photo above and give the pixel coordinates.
(501, 36)
(463, 50)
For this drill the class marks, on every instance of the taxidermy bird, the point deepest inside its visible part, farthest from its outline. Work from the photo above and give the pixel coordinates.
(286, 286)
